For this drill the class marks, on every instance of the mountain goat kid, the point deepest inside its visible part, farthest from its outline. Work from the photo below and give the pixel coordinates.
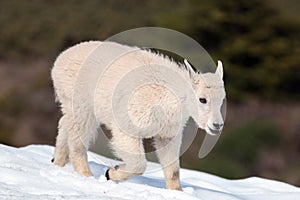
(136, 94)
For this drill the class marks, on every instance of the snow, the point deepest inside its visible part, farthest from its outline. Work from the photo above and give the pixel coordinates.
(27, 173)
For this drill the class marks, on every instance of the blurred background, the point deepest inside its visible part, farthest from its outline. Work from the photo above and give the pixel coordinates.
(258, 42)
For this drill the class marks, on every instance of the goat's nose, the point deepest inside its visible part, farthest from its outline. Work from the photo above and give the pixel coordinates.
(218, 126)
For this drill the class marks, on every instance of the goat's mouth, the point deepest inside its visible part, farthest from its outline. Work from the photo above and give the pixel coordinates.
(213, 131)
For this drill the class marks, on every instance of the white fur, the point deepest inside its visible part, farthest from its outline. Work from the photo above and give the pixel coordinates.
(92, 93)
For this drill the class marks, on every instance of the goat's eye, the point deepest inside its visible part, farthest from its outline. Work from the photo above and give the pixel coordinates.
(203, 100)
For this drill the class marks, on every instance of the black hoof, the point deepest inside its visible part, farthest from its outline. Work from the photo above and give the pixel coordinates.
(52, 160)
(107, 174)
(117, 167)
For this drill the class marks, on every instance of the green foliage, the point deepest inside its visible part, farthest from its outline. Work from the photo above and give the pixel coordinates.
(259, 46)
(235, 156)
(257, 41)
(41, 27)
(245, 142)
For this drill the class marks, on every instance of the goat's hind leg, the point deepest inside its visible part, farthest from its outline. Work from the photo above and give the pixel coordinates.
(79, 143)
(61, 152)
(78, 155)
(167, 151)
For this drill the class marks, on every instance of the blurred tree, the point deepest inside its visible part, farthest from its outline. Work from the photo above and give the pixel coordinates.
(260, 47)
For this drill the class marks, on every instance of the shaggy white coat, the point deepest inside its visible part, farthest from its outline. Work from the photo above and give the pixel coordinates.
(137, 94)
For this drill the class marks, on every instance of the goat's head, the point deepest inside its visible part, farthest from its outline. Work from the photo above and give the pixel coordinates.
(210, 96)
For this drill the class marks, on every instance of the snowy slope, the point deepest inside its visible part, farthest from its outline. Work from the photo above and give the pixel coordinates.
(27, 173)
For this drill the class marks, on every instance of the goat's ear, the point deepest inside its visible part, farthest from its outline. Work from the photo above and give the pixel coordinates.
(189, 68)
(219, 70)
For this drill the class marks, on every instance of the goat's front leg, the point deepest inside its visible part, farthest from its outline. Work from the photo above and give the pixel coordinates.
(131, 150)
(167, 151)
